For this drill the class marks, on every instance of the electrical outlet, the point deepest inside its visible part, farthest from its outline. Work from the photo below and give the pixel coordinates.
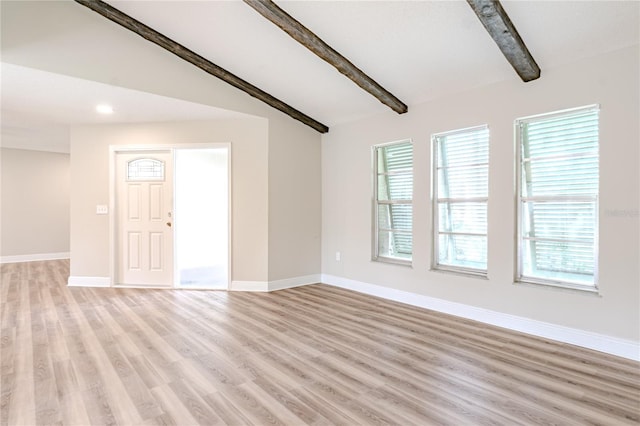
(102, 209)
(338, 256)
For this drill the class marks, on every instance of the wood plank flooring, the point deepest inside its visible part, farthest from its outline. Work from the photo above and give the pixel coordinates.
(313, 355)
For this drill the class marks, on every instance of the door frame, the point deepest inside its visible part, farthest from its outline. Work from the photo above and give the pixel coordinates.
(114, 150)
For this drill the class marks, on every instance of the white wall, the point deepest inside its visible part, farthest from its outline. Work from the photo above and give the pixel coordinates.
(34, 204)
(295, 204)
(23, 131)
(610, 80)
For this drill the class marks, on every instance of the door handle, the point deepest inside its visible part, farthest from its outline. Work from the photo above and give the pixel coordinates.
(169, 224)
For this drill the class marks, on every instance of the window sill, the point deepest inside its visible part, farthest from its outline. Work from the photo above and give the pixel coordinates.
(469, 273)
(393, 261)
(561, 286)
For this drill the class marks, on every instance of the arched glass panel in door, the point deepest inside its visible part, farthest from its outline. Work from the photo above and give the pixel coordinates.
(145, 169)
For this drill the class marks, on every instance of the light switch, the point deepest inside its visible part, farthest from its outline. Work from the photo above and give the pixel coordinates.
(102, 209)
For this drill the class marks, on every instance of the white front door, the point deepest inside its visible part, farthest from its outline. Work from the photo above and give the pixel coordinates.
(144, 204)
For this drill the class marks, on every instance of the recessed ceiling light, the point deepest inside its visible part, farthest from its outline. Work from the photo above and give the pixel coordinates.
(104, 109)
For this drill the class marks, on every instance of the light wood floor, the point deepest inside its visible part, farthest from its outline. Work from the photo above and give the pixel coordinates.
(310, 355)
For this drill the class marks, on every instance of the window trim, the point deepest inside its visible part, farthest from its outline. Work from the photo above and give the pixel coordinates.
(519, 277)
(435, 224)
(375, 255)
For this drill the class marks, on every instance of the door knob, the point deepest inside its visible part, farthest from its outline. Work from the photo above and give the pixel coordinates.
(169, 224)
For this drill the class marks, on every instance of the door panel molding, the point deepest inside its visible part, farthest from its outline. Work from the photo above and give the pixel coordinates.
(143, 203)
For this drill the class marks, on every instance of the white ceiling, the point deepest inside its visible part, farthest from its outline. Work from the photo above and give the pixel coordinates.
(418, 50)
(67, 100)
(38, 107)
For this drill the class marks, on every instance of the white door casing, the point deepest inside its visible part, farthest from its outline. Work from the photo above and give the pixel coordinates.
(144, 205)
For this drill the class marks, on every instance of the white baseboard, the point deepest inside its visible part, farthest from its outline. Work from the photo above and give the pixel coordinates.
(89, 282)
(34, 257)
(262, 286)
(266, 286)
(249, 286)
(612, 345)
(293, 282)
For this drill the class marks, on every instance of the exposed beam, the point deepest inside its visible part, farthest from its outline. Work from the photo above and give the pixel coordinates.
(308, 39)
(504, 33)
(204, 64)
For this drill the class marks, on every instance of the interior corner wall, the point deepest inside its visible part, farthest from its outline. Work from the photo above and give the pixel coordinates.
(295, 213)
(90, 239)
(609, 80)
(34, 203)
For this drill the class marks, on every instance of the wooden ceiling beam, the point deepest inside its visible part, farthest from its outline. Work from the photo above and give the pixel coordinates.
(204, 64)
(311, 41)
(504, 33)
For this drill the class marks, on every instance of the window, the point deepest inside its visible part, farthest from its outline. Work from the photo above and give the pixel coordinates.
(392, 206)
(460, 188)
(145, 169)
(557, 186)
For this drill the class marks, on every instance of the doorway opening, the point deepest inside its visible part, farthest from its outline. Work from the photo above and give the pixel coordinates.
(202, 218)
(180, 216)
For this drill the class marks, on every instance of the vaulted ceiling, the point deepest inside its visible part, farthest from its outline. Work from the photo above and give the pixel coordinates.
(417, 50)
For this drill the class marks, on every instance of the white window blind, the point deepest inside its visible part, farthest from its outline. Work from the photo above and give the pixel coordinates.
(393, 194)
(558, 183)
(461, 166)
